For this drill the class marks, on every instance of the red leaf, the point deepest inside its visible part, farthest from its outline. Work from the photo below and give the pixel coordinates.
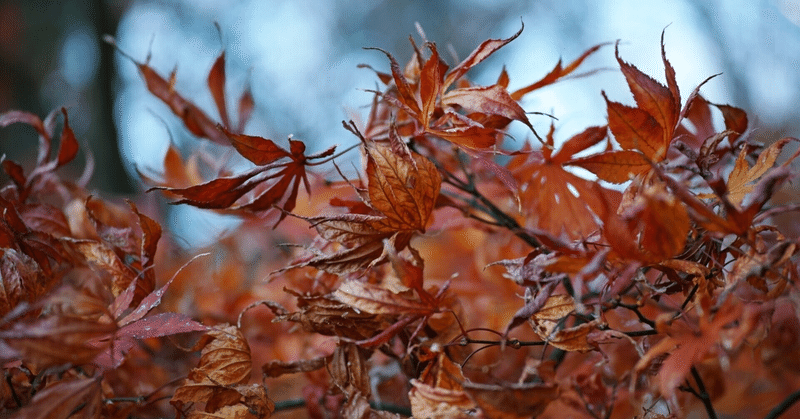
(79, 398)
(404, 90)
(430, 85)
(483, 51)
(246, 105)
(69, 146)
(195, 120)
(555, 74)
(258, 150)
(216, 84)
(653, 97)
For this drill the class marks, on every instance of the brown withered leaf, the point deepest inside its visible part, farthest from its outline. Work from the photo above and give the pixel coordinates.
(56, 340)
(489, 100)
(349, 370)
(402, 187)
(278, 368)
(511, 401)
(555, 308)
(438, 392)
(224, 358)
(375, 299)
(220, 379)
(742, 178)
(327, 316)
(358, 407)
(574, 338)
(76, 399)
(401, 192)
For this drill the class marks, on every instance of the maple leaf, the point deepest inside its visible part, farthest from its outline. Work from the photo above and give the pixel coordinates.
(80, 398)
(327, 316)
(644, 132)
(402, 187)
(135, 324)
(349, 370)
(434, 109)
(68, 147)
(689, 342)
(225, 192)
(439, 391)
(558, 201)
(742, 178)
(220, 378)
(194, 119)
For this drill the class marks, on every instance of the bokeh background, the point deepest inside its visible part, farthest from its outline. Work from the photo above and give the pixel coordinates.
(300, 58)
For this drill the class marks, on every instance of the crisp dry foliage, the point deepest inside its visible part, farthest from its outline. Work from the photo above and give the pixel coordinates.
(454, 277)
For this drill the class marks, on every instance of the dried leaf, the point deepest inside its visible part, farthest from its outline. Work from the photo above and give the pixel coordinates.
(375, 299)
(511, 400)
(491, 100)
(216, 84)
(76, 399)
(615, 166)
(741, 179)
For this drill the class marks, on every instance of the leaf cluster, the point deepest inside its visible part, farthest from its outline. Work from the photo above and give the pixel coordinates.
(453, 276)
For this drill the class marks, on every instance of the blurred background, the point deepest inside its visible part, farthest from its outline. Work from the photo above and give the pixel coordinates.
(300, 58)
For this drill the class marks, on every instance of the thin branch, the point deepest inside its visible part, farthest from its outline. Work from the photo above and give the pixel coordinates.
(635, 310)
(784, 405)
(703, 396)
(501, 218)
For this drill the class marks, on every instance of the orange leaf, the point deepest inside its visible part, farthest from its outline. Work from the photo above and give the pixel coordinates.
(555, 74)
(258, 150)
(216, 84)
(635, 129)
(741, 179)
(615, 166)
(652, 97)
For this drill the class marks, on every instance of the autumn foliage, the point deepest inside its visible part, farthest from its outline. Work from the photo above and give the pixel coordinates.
(456, 275)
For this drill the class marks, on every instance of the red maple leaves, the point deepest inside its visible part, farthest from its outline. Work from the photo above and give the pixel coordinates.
(446, 246)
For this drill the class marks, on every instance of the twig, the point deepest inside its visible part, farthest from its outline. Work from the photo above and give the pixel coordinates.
(783, 406)
(703, 394)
